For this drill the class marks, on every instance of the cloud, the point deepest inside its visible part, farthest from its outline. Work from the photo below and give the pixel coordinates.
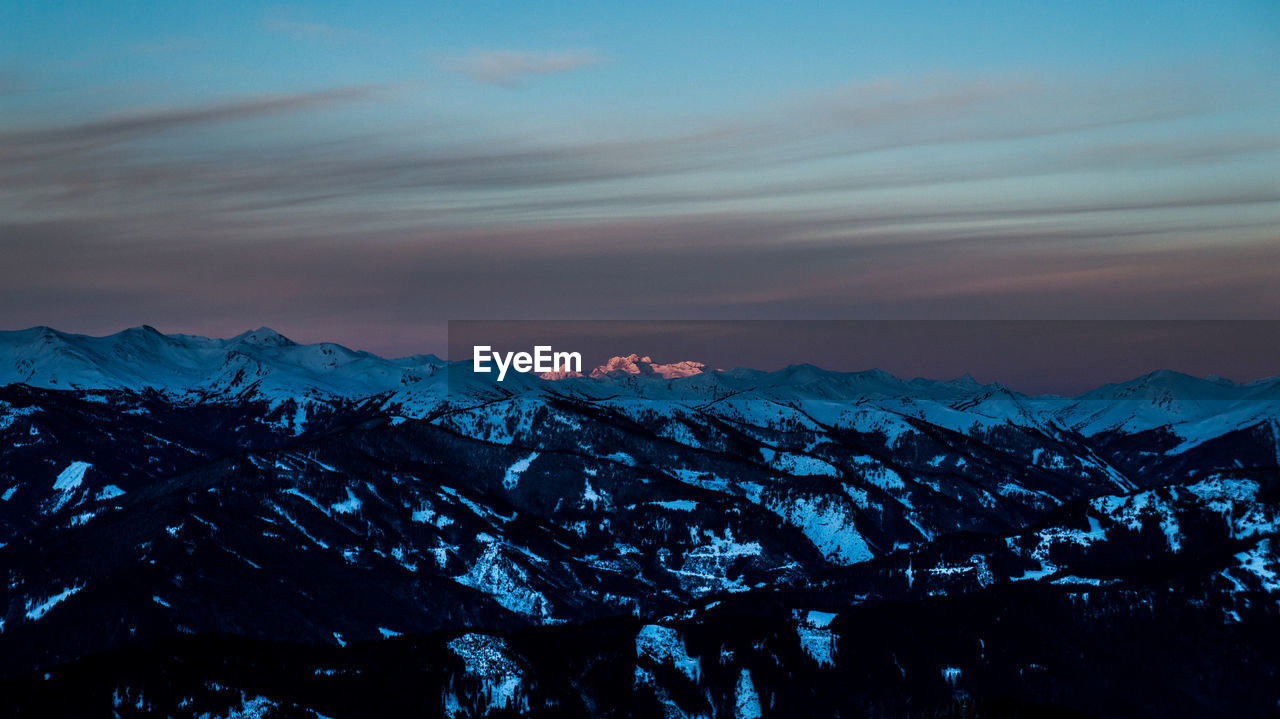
(508, 67)
(765, 157)
(979, 197)
(383, 291)
(164, 46)
(302, 29)
(32, 144)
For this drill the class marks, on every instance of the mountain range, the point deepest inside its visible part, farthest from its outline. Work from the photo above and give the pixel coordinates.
(254, 527)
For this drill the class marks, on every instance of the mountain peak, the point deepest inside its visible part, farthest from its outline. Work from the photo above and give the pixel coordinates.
(263, 337)
(802, 372)
(1166, 375)
(634, 364)
(1168, 379)
(142, 333)
(33, 333)
(144, 330)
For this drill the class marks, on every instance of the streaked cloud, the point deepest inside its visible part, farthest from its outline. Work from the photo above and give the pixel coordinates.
(800, 153)
(509, 67)
(301, 28)
(34, 144)
(388, 291)
(1001, 196)
(165, 46)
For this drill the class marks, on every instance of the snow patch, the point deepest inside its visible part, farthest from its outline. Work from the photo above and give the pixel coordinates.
(827, 524)
(816, 637)
(665, 646)
(512, 476)
(36, 609)
(491, 660)
(68, 481)
(679, 505)
(109, 492)
(621, 458)
(350, 505)
(746, 701)
(802, 465)
(506, 583)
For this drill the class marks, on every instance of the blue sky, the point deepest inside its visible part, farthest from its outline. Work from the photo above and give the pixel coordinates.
(363, 172)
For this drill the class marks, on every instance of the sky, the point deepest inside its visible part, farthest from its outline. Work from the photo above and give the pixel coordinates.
(364, 172)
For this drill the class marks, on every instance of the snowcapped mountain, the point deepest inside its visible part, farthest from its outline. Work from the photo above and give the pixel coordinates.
(636, 365)
(311, 530)
(261, 362)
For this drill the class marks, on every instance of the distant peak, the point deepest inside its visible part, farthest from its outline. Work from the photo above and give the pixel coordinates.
(428, 359)
(40, 331)
(264, 337)
(143, 331)
(802, 371)
(1166, 376)
(634, 364)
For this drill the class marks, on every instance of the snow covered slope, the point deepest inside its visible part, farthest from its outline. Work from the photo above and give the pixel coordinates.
(629, 520)
(260, 362)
